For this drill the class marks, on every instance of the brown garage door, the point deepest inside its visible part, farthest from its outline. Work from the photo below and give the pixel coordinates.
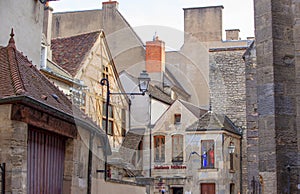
(208, 188)
(45, 165)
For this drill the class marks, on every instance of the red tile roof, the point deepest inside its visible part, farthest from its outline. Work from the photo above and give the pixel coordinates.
(18, 77)
(70, 52)
(20, 80)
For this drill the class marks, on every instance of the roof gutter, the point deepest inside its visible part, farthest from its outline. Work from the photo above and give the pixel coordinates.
(31, 102)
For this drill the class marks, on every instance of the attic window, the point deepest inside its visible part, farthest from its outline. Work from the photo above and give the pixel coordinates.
(177, 118)
(43, 62)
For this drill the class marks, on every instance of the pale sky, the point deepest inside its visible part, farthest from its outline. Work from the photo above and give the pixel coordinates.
(165, 17)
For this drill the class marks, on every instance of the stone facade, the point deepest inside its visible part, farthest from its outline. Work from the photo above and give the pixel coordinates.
(13, 152)
(252, 121)
(227, 83)
(228, 92)
(277, 50)
(189, 174)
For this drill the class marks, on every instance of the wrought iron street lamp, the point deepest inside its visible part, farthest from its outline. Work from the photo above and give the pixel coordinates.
(144, 80)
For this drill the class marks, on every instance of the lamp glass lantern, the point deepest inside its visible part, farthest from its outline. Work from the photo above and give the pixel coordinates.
(144, 80)
(231, 148)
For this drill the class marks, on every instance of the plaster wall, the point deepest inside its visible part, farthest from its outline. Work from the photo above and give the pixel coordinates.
(111, 187)
(140, 105)
(221, 174)
(68, 24)
(26, 18)
(208, 28)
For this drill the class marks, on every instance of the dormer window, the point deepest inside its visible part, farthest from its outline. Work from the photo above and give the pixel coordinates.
(43, 57)
(177, 118)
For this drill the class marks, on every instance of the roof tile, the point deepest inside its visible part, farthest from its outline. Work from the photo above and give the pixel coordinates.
(70, 52)
(19, 77)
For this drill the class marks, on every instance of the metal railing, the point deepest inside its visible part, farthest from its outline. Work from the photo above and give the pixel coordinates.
(2, 178)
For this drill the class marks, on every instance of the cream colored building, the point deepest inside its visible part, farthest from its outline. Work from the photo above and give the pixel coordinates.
(19, 16)
(190, 152)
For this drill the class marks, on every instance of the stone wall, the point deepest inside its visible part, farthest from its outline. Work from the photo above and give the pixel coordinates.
(228, 91)
(227, 84)
(252, 117)
(277, 34)
(13, 151)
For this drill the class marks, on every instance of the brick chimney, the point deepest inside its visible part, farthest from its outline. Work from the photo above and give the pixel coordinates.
(232, 34)
(155, 58)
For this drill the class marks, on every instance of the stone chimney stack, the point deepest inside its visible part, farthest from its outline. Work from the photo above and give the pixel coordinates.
(203, 24)
(46, 52)
(110, 5)
(109, 17)
(47, 25)
(155, 58)
(232, 34)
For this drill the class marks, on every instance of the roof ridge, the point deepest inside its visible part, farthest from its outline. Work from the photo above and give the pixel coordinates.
(13, 66)
(76, 35)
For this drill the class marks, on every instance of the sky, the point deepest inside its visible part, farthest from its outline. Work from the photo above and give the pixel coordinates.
(165, 17)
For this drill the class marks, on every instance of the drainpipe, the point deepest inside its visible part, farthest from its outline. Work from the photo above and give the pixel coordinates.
(2, 169)
(150, 136)
(129, 116)
(90, 163)
(241, 163)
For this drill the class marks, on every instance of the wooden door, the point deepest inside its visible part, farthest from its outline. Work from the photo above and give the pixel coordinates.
(45, 162)
(208, 188)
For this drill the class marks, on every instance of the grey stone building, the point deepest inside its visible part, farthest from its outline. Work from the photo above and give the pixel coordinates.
(228, 92)
(273, 97)
(252, 177)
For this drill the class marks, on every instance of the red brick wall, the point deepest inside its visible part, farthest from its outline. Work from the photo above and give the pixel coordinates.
(155, 56)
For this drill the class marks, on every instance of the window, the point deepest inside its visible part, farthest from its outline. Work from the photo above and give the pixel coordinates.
(43, 61)
(231, 154)
(105, 72)
(110, 129)
(78, 96)
(159, 148)
(177, 148)
(177, 118)
(208, 154)
(140, 150)
(231, 161)
(231, 188)
(123, 122)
